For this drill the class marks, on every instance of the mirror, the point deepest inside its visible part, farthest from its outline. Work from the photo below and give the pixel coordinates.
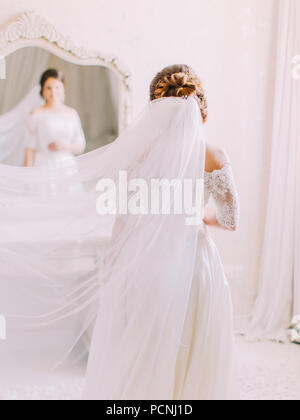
(49, 218)
(95, 87)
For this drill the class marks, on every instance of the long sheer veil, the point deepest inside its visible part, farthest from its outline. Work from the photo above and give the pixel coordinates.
(13, 126)
(63, 265)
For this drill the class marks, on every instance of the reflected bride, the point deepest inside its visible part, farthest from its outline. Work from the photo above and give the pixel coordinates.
(54, 131)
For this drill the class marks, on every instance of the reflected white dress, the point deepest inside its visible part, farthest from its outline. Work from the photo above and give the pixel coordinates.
(47, 126)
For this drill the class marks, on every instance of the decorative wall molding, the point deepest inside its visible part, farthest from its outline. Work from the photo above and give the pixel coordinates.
(31, 30)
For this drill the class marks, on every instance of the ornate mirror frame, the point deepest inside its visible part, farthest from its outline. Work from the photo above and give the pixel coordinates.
(31, 30)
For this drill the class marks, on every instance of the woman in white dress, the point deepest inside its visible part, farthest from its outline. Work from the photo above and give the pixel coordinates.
(54, 133)
(207, 366)
(165, 325)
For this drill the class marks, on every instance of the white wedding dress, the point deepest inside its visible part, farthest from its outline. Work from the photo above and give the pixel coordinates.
(47, 126)
(206, 366)
(156, 289)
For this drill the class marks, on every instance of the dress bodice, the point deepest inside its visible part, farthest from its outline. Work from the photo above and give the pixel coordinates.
(221, 186)
(47, 126)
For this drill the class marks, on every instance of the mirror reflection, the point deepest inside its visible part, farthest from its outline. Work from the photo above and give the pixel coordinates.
(54, 110)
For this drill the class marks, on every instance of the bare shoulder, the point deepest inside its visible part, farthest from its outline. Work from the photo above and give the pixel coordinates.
(216, 158)
(71, 110)
(37, 111)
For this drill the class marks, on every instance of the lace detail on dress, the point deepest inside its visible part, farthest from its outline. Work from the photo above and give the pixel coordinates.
(220, 184)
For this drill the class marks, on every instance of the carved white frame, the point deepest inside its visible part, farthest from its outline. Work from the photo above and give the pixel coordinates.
(31, 30)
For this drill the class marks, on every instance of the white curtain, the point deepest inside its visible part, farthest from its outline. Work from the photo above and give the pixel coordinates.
(279, 286)
(32, 62)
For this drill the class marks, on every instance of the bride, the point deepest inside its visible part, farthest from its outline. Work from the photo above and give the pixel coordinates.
(54, 132)
(165, 328)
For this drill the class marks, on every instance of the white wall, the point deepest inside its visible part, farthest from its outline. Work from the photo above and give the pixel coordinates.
(231, 45)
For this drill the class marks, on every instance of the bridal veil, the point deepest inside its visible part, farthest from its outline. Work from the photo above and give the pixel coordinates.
(68, 271)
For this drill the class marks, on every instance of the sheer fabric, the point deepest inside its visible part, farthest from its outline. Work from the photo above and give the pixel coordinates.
(278, 297)
(181, 343)
(153, 283)
(54, 243)
(13, 129)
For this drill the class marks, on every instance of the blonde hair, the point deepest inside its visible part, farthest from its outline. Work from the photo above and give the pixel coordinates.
(179, 80)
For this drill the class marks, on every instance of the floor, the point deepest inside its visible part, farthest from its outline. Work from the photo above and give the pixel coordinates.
(269, 371)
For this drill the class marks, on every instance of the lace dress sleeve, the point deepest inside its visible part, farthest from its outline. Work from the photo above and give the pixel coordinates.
(220, 184)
